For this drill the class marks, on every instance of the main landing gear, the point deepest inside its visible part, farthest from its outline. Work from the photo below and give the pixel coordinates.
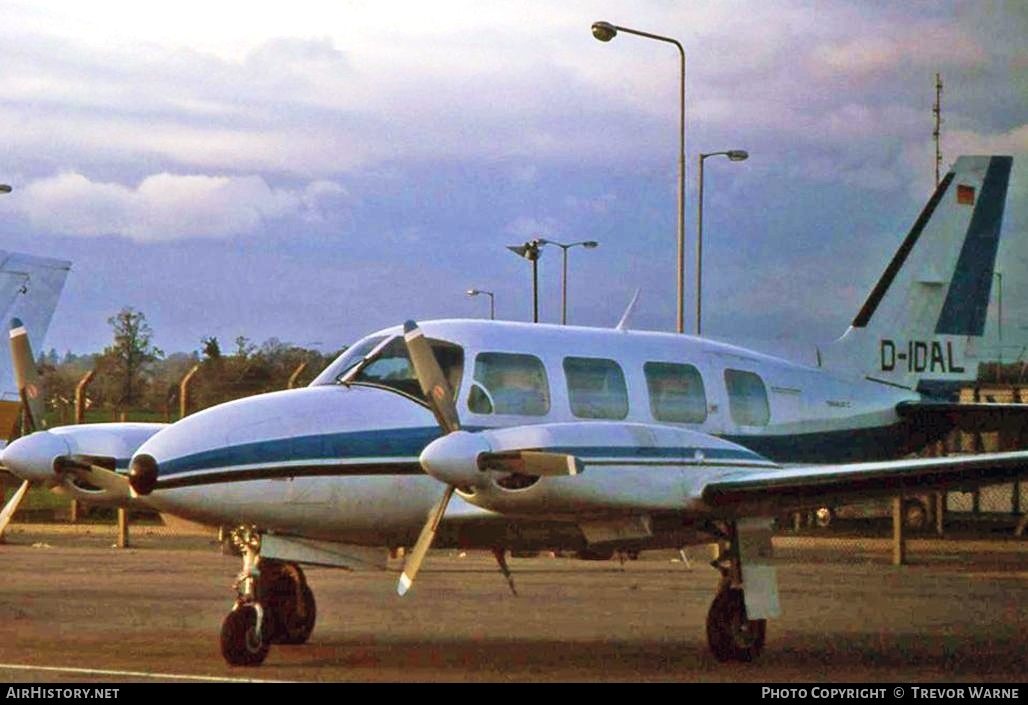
(731, 635)
(274, 605)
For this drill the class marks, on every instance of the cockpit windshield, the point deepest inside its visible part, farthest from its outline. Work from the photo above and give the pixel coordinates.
(381, 362)
(352, 356)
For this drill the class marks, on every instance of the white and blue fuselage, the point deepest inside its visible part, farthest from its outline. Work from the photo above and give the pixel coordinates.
(341, 460)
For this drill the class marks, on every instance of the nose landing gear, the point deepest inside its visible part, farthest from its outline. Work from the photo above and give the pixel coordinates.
(274, 605)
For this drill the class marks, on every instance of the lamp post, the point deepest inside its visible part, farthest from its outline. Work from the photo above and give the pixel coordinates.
(735, 155)
(530, 251)
(492, 300)
(588, 244)
(605, 31)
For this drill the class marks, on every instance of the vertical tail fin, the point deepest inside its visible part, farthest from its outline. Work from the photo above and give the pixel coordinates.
(29, 289)
(918, 326)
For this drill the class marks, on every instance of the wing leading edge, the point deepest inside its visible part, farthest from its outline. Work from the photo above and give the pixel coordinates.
(746, 493)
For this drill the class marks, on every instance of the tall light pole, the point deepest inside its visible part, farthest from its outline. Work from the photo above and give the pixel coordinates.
(735, 155)
(492, 300)
(605, 31)
(530, 251)
(588, 244)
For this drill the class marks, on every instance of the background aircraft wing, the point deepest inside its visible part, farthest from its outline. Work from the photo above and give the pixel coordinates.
(748, 492)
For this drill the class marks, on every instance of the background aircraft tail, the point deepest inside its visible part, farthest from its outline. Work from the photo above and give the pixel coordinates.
(921, 325)
(29, 289)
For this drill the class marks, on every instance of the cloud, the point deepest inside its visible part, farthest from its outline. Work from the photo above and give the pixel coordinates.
(167, 206)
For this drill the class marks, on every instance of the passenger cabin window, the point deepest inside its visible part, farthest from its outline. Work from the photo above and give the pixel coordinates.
(676, 392)
(596, 388)
(509, 383)
(747, 398)
(391, 367)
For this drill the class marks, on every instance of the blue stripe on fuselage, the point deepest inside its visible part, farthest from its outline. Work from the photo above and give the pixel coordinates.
(386, 443)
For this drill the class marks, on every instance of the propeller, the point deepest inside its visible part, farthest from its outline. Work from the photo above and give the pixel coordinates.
(460, 458)
(26, 379)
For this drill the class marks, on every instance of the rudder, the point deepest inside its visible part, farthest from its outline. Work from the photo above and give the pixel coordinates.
(919, 325)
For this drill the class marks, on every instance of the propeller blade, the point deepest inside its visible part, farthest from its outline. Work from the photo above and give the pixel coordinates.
(417, 554)
(531, 462)
(431, 378)
(11, 507)
(26, 377)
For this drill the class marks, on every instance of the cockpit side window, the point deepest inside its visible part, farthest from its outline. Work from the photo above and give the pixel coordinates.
(509, 383)
(391, 367)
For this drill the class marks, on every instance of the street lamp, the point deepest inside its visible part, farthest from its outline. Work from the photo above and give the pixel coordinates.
(735, 155)
(492, 300)
(605, 31)
(530, 251)
(588, 244)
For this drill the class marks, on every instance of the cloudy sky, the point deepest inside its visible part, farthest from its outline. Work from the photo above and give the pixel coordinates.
(313, 171)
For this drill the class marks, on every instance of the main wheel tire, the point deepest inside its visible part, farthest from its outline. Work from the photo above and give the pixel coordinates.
(288, 603)
(730, 635)
(240, 644)
(296, 627)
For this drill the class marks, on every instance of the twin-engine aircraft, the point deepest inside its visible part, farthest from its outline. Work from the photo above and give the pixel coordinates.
(510, 436)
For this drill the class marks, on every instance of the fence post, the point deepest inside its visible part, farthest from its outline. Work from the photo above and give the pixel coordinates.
(80, 396)
(183, 391)
(296, 373)
(899, 539)
(80, 417)
(123, 530)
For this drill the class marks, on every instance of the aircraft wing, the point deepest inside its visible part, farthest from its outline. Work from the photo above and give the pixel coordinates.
(974, 417)
(748, 492)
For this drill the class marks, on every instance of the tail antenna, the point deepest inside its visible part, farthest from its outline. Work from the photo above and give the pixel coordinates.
(623, 323)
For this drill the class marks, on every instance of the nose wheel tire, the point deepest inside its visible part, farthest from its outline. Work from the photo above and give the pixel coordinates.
(730, 635)
(241, 644)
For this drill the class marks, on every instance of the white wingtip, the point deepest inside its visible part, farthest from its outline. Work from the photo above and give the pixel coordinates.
(404, 585)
